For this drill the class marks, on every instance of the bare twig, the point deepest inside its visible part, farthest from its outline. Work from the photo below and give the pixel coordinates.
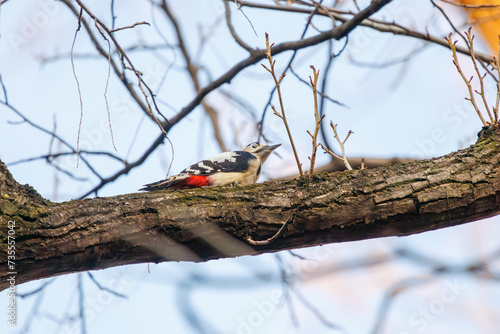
(465, 39)
(497, 63)
(480, 77)
(467, 81)
(4, 90)
(81, 304)
(231, 28)
(129, 65)
(78, 86)
(318, 119)
(107, 84)
(51, 156)
(269, 240)
(341, 143)
(50, 133)
(288, 67)
(37, 290)
(103, 288)
(320, 93)
(245, 15)
(130, 26)
(281, 115)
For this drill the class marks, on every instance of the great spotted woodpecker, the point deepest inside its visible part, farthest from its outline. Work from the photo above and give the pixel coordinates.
(238, 167)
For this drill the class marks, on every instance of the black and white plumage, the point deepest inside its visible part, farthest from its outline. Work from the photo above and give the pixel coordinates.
(237, 167)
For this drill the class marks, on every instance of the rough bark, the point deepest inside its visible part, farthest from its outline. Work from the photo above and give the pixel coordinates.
(211, 223)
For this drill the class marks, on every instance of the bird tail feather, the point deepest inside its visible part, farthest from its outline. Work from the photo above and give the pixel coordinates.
(164, 184)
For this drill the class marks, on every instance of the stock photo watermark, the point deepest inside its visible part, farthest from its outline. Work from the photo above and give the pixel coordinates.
(11, 272)
(421, 319)
(98, 302)
(453, 118)
(30, 25)
(263, 309)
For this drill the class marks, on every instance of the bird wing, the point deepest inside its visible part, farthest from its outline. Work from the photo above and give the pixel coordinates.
(226, 162)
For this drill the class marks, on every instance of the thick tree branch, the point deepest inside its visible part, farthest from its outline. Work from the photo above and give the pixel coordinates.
(209, 223)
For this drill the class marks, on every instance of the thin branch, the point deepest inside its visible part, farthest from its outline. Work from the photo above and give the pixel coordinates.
(232, 31)
(288, 67)
(467, 81)
(78, 87)
(130, 66)
(113, 16)
(320, 93)
(389, 299)
(103, 288)
(341, 143)
(317, 118)
(25, 119)
(281, 115)
(81, 304)
(269, 240)
(480, 77)
(60, 154)
(37, 290)
(245, 15)
(130, 26)
(317, 312)
(466, 40)
(193, 72)
(4, 89)
(497, 62)
(107, 84)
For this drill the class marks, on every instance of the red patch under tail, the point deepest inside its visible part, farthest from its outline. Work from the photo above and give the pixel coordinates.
(192, 181)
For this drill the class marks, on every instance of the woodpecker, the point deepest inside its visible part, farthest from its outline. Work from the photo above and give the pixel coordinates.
(237, 167)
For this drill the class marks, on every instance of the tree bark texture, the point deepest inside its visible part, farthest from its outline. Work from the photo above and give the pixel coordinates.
(216, 222)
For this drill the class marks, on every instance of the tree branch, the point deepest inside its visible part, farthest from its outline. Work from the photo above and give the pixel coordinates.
(381, 26)
(210, 223)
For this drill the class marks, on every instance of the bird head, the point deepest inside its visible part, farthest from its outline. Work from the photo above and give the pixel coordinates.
(260, 150)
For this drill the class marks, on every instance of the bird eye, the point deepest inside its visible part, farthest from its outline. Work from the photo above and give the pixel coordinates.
(254, 145)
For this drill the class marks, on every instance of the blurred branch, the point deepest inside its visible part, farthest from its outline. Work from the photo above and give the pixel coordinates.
(52, 134)
(193, 73)
(103, 288)
(232, 31)
(390, 297)
(130, 26)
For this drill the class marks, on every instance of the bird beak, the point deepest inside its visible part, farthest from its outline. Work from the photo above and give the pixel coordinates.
(271, 148)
